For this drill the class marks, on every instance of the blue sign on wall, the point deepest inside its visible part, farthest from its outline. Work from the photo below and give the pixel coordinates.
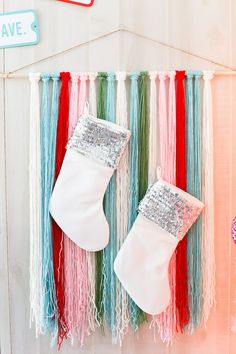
(18, 29)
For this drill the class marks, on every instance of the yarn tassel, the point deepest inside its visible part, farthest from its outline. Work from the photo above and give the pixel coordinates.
(109, 253)
(194, 187)
(139, 167)
(182, 307)
(165, 322)
(198, 194)
(143, 158)
(122, 207)
(70, 271)
(58, 237)
(81, 255)
(49, 306)
(133, 175)
(101, 113)
(92, 310)
(207, 247)
(34, 206)
(191, 190)
(153, 130)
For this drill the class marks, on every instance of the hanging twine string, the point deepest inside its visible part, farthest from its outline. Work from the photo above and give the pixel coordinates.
(153, 130)
(109, 253)
(182, 307)
(133, 199)
(101, 113)
(208, 251)
(122, 206)
(58, 237)
(34, 206)
(194, 188)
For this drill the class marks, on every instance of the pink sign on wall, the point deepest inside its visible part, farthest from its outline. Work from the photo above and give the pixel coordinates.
(79, 2)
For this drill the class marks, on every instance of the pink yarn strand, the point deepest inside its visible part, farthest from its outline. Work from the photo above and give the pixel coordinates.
(76, 283)
(165, 322)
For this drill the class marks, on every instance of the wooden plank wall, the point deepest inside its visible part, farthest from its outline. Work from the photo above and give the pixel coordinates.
(206, 28)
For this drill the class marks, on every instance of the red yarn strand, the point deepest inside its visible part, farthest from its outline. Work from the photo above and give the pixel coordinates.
(58, 238)
(182, 307)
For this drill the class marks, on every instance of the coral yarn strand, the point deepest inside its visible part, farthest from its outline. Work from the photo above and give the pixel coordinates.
(182, 306)
(58, 238)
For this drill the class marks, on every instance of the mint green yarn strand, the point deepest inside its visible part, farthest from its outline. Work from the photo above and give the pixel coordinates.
(143, 136)
(197, 194)
(134, 175)
(140, 316)
(109, 253)
(102, 93)
(194, 188)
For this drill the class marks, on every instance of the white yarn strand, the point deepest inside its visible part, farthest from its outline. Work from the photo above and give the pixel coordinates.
(92, 94)
(122, 205)
(153, 130)
(34, 206)
(208, 251)
(92, 310)
(172, 128)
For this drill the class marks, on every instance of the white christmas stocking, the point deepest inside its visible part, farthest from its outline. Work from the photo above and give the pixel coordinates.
(165, 215)
(92, 155)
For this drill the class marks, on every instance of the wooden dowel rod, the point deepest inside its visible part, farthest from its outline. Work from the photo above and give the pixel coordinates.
(25, 76)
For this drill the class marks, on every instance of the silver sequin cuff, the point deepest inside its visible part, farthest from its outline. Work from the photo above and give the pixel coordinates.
(99, 140)
(172, 209)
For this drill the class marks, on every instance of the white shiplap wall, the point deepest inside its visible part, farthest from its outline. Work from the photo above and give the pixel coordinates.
(204, 27)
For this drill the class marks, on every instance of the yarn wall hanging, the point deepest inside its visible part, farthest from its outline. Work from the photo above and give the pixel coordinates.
(169, 115)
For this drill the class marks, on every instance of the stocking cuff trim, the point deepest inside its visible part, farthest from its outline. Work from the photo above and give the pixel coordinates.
(99, 140)
(170, 208)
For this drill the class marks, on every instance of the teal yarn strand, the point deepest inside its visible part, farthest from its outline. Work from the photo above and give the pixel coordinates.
(134, 151)
(54, 120)
(138, 106)
(194, 188)
(109, 253)
(133, 173)
(49, 306)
